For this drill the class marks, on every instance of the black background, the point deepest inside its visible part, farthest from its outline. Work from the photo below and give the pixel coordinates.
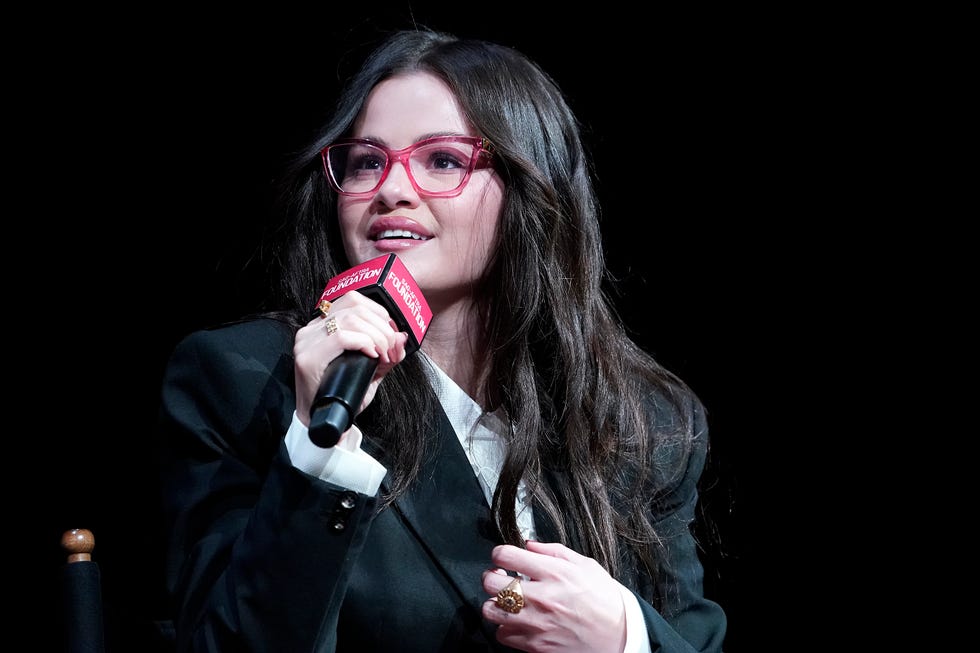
(151, 143)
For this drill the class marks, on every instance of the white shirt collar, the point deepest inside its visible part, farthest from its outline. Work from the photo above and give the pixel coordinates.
(482, 437)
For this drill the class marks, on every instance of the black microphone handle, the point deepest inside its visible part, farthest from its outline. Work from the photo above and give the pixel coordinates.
(345, 381)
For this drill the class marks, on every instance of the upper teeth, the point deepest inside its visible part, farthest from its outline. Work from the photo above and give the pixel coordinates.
(399, 233)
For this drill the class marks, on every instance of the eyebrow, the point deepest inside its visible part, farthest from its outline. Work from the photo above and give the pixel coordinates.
(423, 137)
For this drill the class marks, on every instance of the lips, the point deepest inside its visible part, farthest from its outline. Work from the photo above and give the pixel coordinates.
(397, 228)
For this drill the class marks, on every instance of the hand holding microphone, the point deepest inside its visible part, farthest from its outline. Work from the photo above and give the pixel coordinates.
(394, 296)
(354, 324)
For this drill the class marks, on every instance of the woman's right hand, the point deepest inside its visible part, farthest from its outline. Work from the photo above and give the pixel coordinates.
(362, 325)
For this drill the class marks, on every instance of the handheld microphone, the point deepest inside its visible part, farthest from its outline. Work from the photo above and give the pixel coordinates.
(386, 280)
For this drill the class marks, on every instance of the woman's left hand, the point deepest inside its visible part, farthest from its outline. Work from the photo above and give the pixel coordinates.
(570, 602)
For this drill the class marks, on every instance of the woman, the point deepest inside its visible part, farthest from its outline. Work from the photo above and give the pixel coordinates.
(527, 480)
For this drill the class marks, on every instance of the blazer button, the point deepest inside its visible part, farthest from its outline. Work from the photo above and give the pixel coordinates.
(348, 500)
(346, 505)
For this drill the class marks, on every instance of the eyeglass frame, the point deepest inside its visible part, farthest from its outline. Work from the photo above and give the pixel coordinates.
(481, 145)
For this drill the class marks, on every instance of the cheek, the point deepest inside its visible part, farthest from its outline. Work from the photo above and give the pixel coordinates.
(487, 210)
(348, 217)
(479, 220)
(346, 214)
(351, 213)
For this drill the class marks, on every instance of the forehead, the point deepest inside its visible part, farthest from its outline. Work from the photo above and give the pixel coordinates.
(409, 106)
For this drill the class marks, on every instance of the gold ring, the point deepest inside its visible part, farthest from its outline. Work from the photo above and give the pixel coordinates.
(331, 325)
(511, 598)
(324, 306)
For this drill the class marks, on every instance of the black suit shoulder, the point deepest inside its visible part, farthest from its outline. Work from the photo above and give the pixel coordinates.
(231, 387)
(265, 339)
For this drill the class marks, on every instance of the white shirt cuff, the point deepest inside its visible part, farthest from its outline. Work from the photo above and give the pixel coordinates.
(637, 640)
(345, 464)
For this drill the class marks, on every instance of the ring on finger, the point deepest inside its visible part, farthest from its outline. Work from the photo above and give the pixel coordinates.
(511, 598)
(324, 306)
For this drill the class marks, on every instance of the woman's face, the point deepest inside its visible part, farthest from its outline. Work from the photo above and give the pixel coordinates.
(444, 241)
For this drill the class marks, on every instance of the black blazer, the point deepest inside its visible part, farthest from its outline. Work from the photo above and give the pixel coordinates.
(264, 557)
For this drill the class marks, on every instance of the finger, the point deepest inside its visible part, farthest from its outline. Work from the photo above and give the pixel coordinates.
(354, 298)
(381, 337)
(368, 310)
(395, 355)
(555, 550)
(321, 340)
(496, 615)
(531, 564)
(357, 313)
(309, 333)
(495, 580)
(497, 612)
(492, 612)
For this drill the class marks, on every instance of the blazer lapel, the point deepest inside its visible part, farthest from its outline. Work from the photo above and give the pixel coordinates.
(446, 510)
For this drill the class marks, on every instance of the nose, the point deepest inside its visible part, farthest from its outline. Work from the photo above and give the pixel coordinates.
(397, 188)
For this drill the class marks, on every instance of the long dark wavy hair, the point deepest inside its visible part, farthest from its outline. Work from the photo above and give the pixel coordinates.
(589, 409)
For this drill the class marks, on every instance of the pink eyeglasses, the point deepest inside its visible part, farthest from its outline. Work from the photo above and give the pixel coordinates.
(437, 167)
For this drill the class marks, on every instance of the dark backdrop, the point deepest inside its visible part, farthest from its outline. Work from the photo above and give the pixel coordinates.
(153, 143)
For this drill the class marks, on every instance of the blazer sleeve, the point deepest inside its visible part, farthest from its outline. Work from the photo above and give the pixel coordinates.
(686, 622)
(255, 542)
